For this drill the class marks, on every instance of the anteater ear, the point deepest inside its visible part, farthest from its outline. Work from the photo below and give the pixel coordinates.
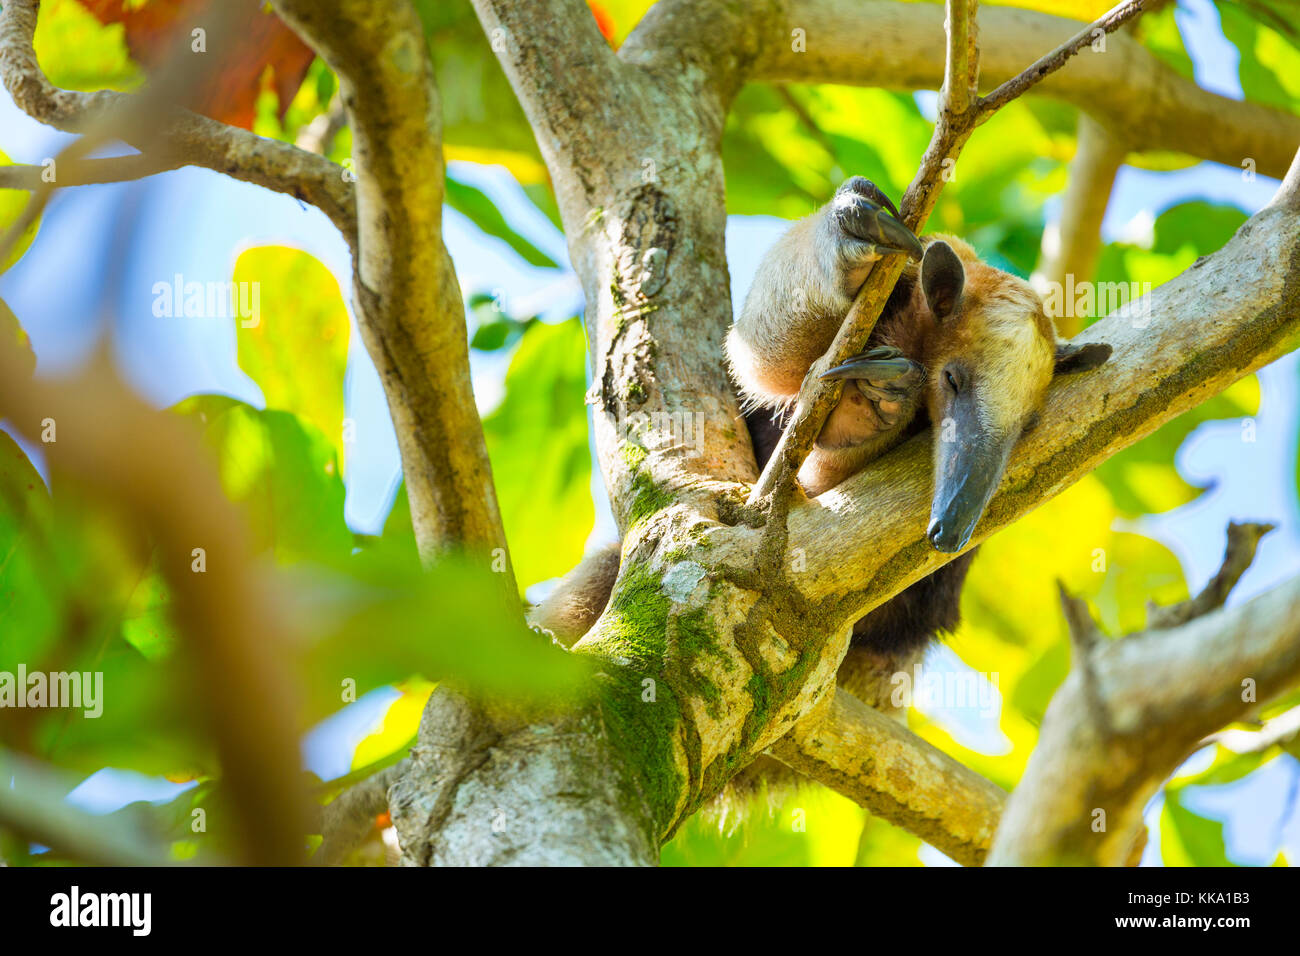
(1080, 358)
(942, 279)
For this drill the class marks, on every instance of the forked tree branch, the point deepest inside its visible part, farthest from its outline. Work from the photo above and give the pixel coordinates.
(1133, 709)
(736, 646)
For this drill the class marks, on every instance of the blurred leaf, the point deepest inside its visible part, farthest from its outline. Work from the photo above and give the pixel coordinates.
(1187, 839)
(27, 595)
(146, 724)
(1084, 10)
(399, 725)
(1012, 630)
(146, 621)
(786, 151)
(1143, 478)
(296, 347)
(537, 441)
(267, 51)
(77, 52)
(813, 826)
(493, 329)
(12, 204)
(375, 620)
(1269, 68)
(13, 336)
(1158, 32)
(285, 474)
(482, 121)
(1228, 767)
(479, 209)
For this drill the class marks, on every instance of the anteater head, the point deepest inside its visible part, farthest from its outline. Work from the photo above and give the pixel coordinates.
(990, 356)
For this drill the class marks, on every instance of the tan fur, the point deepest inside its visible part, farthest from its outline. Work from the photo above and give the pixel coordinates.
(579, 598)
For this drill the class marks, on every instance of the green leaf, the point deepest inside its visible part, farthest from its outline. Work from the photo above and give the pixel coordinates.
(537, 441)
(28, 596)
(1269, 69)
(285, 474)
(1187, 839)
(1159, 33)
(481, 118)
(146, 621)
(1143, 478)
(296, 347)
(375, 620)
(399, 726)
(478, 208)
(493, 329)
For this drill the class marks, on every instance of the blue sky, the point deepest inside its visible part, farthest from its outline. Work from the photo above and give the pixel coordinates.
(195, 222)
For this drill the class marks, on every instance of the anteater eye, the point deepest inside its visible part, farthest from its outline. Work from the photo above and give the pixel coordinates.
(951, 380)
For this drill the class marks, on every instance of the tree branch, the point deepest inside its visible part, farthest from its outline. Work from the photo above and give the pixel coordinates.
(1279, 731)
(88, 172)
(1229, 314)
(1126, 88)
(882, 766)
(347, 818)
(1129, 713)
(180, 137)
(1243, 539)
(1087, 193)
(33, 805)
(409, 306)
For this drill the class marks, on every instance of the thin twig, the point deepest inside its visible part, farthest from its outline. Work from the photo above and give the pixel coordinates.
(1046, 65)
(1238, 555)
(88, 172)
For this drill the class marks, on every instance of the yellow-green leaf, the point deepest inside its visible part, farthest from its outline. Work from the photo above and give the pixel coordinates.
(295, 346)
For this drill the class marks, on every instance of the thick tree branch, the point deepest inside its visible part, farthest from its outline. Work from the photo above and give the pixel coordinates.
(179, 137)
(631, 142)
(1231, 313)
(1126, 88)
(716, 642)
(882, 766)
(1129, 713)
(409, 306)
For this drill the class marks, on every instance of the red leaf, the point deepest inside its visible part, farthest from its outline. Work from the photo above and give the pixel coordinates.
(267, 52)
(604, 22)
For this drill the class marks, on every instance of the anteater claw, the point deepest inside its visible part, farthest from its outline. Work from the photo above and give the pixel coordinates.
(863, 212)
(881, 364)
